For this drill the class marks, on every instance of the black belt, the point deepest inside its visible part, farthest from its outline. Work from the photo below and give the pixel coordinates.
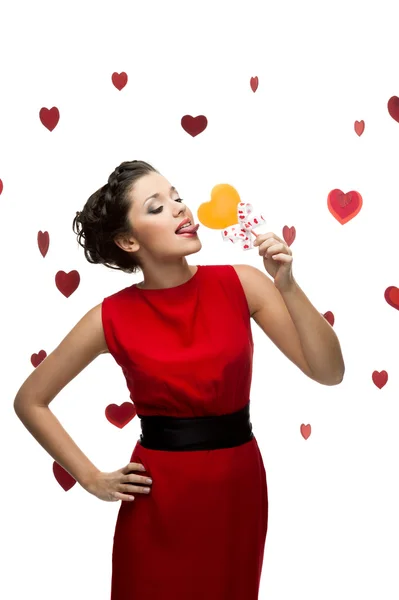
(196, 433)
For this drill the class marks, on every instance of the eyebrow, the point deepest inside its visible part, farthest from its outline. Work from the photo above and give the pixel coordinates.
(172, 189)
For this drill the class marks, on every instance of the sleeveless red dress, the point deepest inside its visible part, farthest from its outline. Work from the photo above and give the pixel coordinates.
(200, 533)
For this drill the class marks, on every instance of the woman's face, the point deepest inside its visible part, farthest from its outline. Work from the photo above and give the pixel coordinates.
(156, 212)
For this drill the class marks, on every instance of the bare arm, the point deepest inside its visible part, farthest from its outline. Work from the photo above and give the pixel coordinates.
(77, 350)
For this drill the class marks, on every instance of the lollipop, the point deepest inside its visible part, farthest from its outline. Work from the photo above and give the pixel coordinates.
(245, 225)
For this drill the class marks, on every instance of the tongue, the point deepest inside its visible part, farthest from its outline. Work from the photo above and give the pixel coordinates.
(189, 229)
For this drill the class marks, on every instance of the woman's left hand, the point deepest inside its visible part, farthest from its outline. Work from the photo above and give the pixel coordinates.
(277, 259)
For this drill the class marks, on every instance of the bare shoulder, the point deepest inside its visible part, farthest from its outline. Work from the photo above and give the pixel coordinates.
(256, 285)
(82, 344)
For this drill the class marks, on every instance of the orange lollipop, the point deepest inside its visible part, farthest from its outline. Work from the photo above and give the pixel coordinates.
(226, 211)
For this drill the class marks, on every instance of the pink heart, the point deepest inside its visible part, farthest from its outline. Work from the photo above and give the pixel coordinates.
(119, 80)
(254, 83)
(306, 431)
(359, 127)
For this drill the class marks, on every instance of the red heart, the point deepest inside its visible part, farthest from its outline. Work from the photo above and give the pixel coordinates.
(359, 127)
(43, 241)
(119, 80)
(289, 234)
(380, 378)
(329, 317)
(36, 359)
(393, 107)
(65, 480)
(50, 118)
(67, 283)
(391, 295)
(306, 430)
(344, 206)
(254, 83)
(120, 415)
(194, 125)
(1, 186)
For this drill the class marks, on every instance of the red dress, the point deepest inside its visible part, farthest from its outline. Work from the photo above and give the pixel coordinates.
(200, 533)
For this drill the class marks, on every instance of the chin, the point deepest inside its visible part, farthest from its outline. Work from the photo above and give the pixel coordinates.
(196, 247)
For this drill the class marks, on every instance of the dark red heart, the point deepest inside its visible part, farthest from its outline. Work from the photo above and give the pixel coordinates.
(393, 107)
(36, 359)
(50, 118)
(43, 241)
(67, 283)
(120, 415)
(194, 125)
(65, 480)
(380, 378)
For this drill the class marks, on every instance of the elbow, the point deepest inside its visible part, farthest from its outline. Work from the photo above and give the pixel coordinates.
(337, 379)
(330, 379)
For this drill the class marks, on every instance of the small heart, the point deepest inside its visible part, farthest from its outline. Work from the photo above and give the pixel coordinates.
(359, 127)
(254, 83)
(43, 241)
(50, 118)
(36, 359)
(65, 480)
(119, 80)
(380, 378)
(329, 317)
(194, 125)
(289, 234)
(67, 283)
(344, 207)
(1, 186)
(391, 295)
(120, 415)
(306, 430)
(393, 107)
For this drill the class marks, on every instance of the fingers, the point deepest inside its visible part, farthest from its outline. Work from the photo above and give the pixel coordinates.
(132, 478)
(119, 496)
(134, 489)
(133, 467)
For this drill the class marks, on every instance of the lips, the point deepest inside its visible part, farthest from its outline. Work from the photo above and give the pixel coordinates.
(184, 222)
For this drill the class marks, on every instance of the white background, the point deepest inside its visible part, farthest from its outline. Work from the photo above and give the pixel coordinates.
(333, 499)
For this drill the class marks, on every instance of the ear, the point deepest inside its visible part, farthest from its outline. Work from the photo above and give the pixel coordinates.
(128, 244)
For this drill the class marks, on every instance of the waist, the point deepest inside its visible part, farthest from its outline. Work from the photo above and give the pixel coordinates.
(196, 433)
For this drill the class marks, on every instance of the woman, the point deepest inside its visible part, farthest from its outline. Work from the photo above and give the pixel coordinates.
(182, 338)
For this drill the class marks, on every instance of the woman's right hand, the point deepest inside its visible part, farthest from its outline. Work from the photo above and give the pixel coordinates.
(120, 484)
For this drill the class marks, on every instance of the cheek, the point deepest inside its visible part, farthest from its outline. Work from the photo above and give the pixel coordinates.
(156, 233)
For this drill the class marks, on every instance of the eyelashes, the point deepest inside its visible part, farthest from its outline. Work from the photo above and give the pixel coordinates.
(158, 210)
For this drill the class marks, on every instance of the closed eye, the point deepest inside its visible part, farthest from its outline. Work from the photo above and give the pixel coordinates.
(160, 209)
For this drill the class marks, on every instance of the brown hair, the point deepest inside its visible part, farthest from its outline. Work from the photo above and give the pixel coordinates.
(105, 216)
